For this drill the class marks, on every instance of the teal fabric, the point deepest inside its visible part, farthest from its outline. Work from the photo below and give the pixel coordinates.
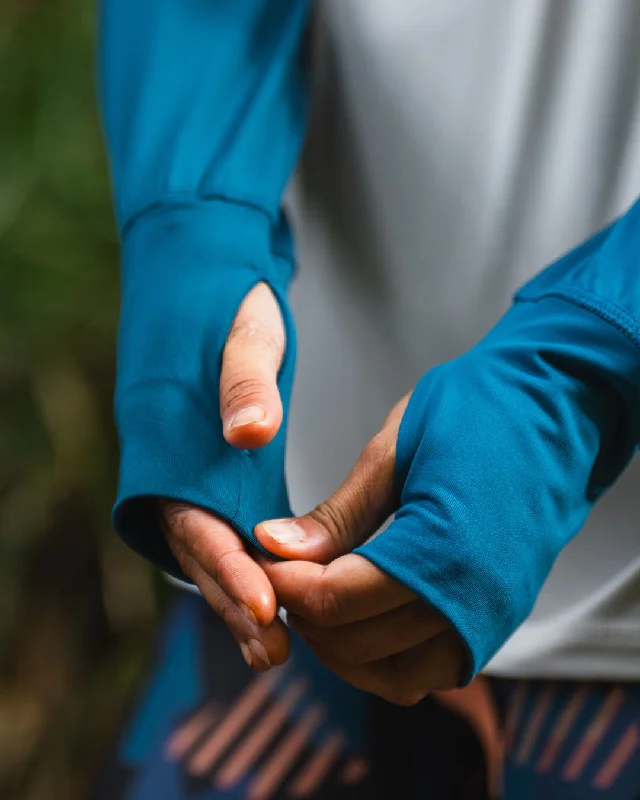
(204, 106)
(503, 452)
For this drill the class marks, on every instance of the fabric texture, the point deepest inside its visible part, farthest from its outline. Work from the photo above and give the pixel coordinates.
(457, 148)
(206, 727)
(503, 451)
(204, 108)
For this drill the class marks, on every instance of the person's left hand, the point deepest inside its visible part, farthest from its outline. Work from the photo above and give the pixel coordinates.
(365, 626)
(500, 458)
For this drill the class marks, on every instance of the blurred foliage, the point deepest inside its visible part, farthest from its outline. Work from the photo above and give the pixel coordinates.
(76, 609)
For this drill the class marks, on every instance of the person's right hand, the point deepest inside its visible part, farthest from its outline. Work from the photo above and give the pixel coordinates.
(208, 550)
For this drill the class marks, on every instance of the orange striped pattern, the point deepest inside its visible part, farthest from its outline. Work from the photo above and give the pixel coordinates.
(593, 735)
(253, 745)
(618, 759)
(208, 755)
(318, 767)
(279, 765)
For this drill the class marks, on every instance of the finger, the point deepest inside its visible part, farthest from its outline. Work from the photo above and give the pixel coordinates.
(407, 678)
(352, 514)
(377, 637)
(250, 404)
(220, 553)
(261, 647)
(349, 589)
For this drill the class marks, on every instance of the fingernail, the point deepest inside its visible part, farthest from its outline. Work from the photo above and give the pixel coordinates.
(248, 614)
(258, 651)
(246, 416)
(284, 531)
(292, 621)
(246, 652)
(284, 616)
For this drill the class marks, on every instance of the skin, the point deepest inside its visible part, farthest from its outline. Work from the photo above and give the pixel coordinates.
(366, 627)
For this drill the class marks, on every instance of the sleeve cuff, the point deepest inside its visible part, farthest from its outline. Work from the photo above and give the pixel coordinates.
(186, 270)
(501, 455)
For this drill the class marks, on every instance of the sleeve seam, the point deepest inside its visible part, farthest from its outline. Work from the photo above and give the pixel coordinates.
(607, 310)
(189, 200)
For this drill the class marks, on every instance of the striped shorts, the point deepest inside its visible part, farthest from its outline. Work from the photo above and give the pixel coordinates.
(207, 728)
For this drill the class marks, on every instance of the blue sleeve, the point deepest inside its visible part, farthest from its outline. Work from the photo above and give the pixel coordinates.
(502, 452)
(204, 105)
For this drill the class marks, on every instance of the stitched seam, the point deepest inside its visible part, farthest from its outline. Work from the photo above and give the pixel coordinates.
(190, 200)
(177, 201)
(607, 310)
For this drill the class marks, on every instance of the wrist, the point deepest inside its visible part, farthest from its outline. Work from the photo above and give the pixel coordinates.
(186, 271)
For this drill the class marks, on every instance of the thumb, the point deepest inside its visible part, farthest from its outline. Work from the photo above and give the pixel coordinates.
(351, 515)
(250, 404)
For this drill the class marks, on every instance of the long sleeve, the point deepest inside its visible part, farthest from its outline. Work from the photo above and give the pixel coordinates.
(503, 452)
(204, 104)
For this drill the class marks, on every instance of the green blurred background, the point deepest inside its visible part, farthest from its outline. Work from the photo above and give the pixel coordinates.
(76, 608)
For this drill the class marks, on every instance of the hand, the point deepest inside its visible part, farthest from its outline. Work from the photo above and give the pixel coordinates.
(368, 628)
(500, 457)
(209, 550)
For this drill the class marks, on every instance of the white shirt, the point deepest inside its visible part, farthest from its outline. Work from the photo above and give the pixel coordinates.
(458, 147)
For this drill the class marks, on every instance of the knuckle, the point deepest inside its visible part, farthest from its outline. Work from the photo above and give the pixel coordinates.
(336, 518)
(223, 564)
(240, 389)
(322, 606)
(176, 517)
(352, 651)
